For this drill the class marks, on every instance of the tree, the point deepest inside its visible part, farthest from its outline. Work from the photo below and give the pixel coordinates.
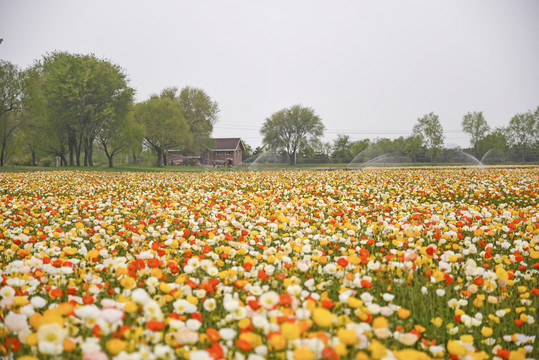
(11, 89)
(247, 152)
(476, 126)
(119, 135)
(521, 132)
(82, 94)
(429, 129)
(413, 148)
(292, 128)
(341, 148)
(493, 147)
(200, 111)
(164, 125)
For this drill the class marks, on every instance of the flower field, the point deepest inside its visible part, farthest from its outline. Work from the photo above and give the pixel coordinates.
(374, 264)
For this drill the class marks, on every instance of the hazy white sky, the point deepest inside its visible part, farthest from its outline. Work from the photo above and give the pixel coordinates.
(368, 68)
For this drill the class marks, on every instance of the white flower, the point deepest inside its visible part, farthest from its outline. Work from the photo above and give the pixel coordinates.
(366, 297)
(182, 306)
(200, 293)
(388, 297)
(386, 311)
(227, 333)
(112, 315)
(440, 292)
(260, 321)
(50, 338)
(231, 304)
(7, 291)
(209, 305)
(373, 308)
(193, 324)
(330, 268)
(87, 311)
(153, 310)
(240, 313)
(140, 296)
(269, 299)
(127, 356)
(90, 344)
(200, 355)
(407, 338)
(152, 281)
(15, 322)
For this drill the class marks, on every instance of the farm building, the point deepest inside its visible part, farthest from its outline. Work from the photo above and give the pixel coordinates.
(227, 151)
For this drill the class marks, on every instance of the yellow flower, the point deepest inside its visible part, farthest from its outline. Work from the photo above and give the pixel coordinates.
(254, 339)
(303, 353)
(410, 354)
(362, 356)
(20, 301)
(456, 348)
(32, 339)
(341, 350)
(115, 346)
(347, 336)
(466, 339)
(403, 313)
(130, 307)
(486, 331)
(517, 355)
(244, 323)
(164, 287)
(354, 303)
(128, 282)
(290, 331)
(437, 321)
(378, 350)
(379, 322)
(277, 342)
(322, 317)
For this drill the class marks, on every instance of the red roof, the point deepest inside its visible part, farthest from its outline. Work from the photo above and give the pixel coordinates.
(228, 144)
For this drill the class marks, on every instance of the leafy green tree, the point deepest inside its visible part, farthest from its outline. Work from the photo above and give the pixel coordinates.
(82, 94)
(358, 146)
(431, 132)
(493, 147)
(165, 127)
(11, 90)
(474, 124)
(119, 135)
(200, 111)
(413, 148)
(292, 128)
(247, 152)
(341, 148)
(521, 132)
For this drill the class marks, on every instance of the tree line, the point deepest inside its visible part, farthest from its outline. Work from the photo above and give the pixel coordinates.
(66, 105)
(296, 133)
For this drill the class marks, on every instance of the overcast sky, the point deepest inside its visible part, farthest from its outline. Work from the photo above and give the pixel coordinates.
(368, 68)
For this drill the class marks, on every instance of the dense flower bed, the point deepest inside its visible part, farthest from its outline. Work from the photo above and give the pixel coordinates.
(379, 264)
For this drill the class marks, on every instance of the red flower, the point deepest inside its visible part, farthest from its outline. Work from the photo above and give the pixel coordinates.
(155, 325)
(342, 262)
(365, 284)
(243, 345)
(285, 299)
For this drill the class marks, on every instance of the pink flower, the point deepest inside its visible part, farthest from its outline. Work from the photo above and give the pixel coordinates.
(15, 322)
(186, 336)
(95, 355)
(112, 315)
